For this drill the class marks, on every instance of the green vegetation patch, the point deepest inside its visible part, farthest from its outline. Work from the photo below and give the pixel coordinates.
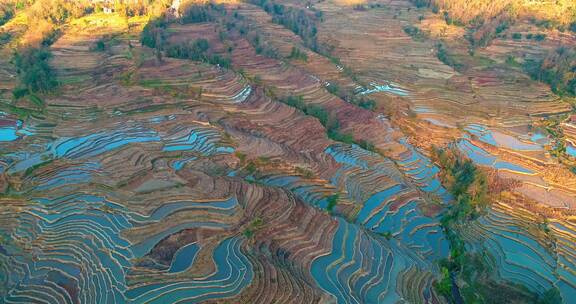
(298, 54)
(202, 13)
(558, 69)
(34, 71)
(415, 32)
(332, 202)
(301, 22)
(254, 226)
(447, 57)
(197, 50)
(469, 186)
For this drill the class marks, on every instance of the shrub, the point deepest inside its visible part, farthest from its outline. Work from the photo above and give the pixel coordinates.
(367, 104)
(516, 36)
(511, 60)
(296, 102)
(415, 32)
(100, 46)
(502, 27)
(223, 62)
(540, 37)
(447, 58)
(51, 37)
(297, 54)
(6, 13)
(20, 92)
(421, 3)
(336, 135)
(5, 37)
(333, 88)
(332, 202)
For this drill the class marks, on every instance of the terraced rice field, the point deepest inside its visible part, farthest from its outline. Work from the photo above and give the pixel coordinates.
(147, 180)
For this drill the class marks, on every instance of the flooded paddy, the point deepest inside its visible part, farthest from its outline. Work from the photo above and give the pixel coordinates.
(169, 180)
(386, 88)
(11, 129)
(500, 139)
(481, 157)
(521, 256)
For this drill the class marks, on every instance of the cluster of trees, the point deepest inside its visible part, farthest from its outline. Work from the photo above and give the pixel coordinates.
(7, 10)
(348, 95)
(251, 34)
(194, 50)
(34, 71)
(5, 37)
(196, 13)
(558, 69)
(329, 122)
(557, 13)
(482, 31)
(154, 33)
(362, 101)
(529, 36)
(487, 19)
(470, 189)
(299, 21)
(415, 32)
(462, 12)
(46, 16)
(57, 11)
(332, 202)
(131, 8)
(465, 182)
(197, 50)
(362, 7)
(312, 110)
(239, 23)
